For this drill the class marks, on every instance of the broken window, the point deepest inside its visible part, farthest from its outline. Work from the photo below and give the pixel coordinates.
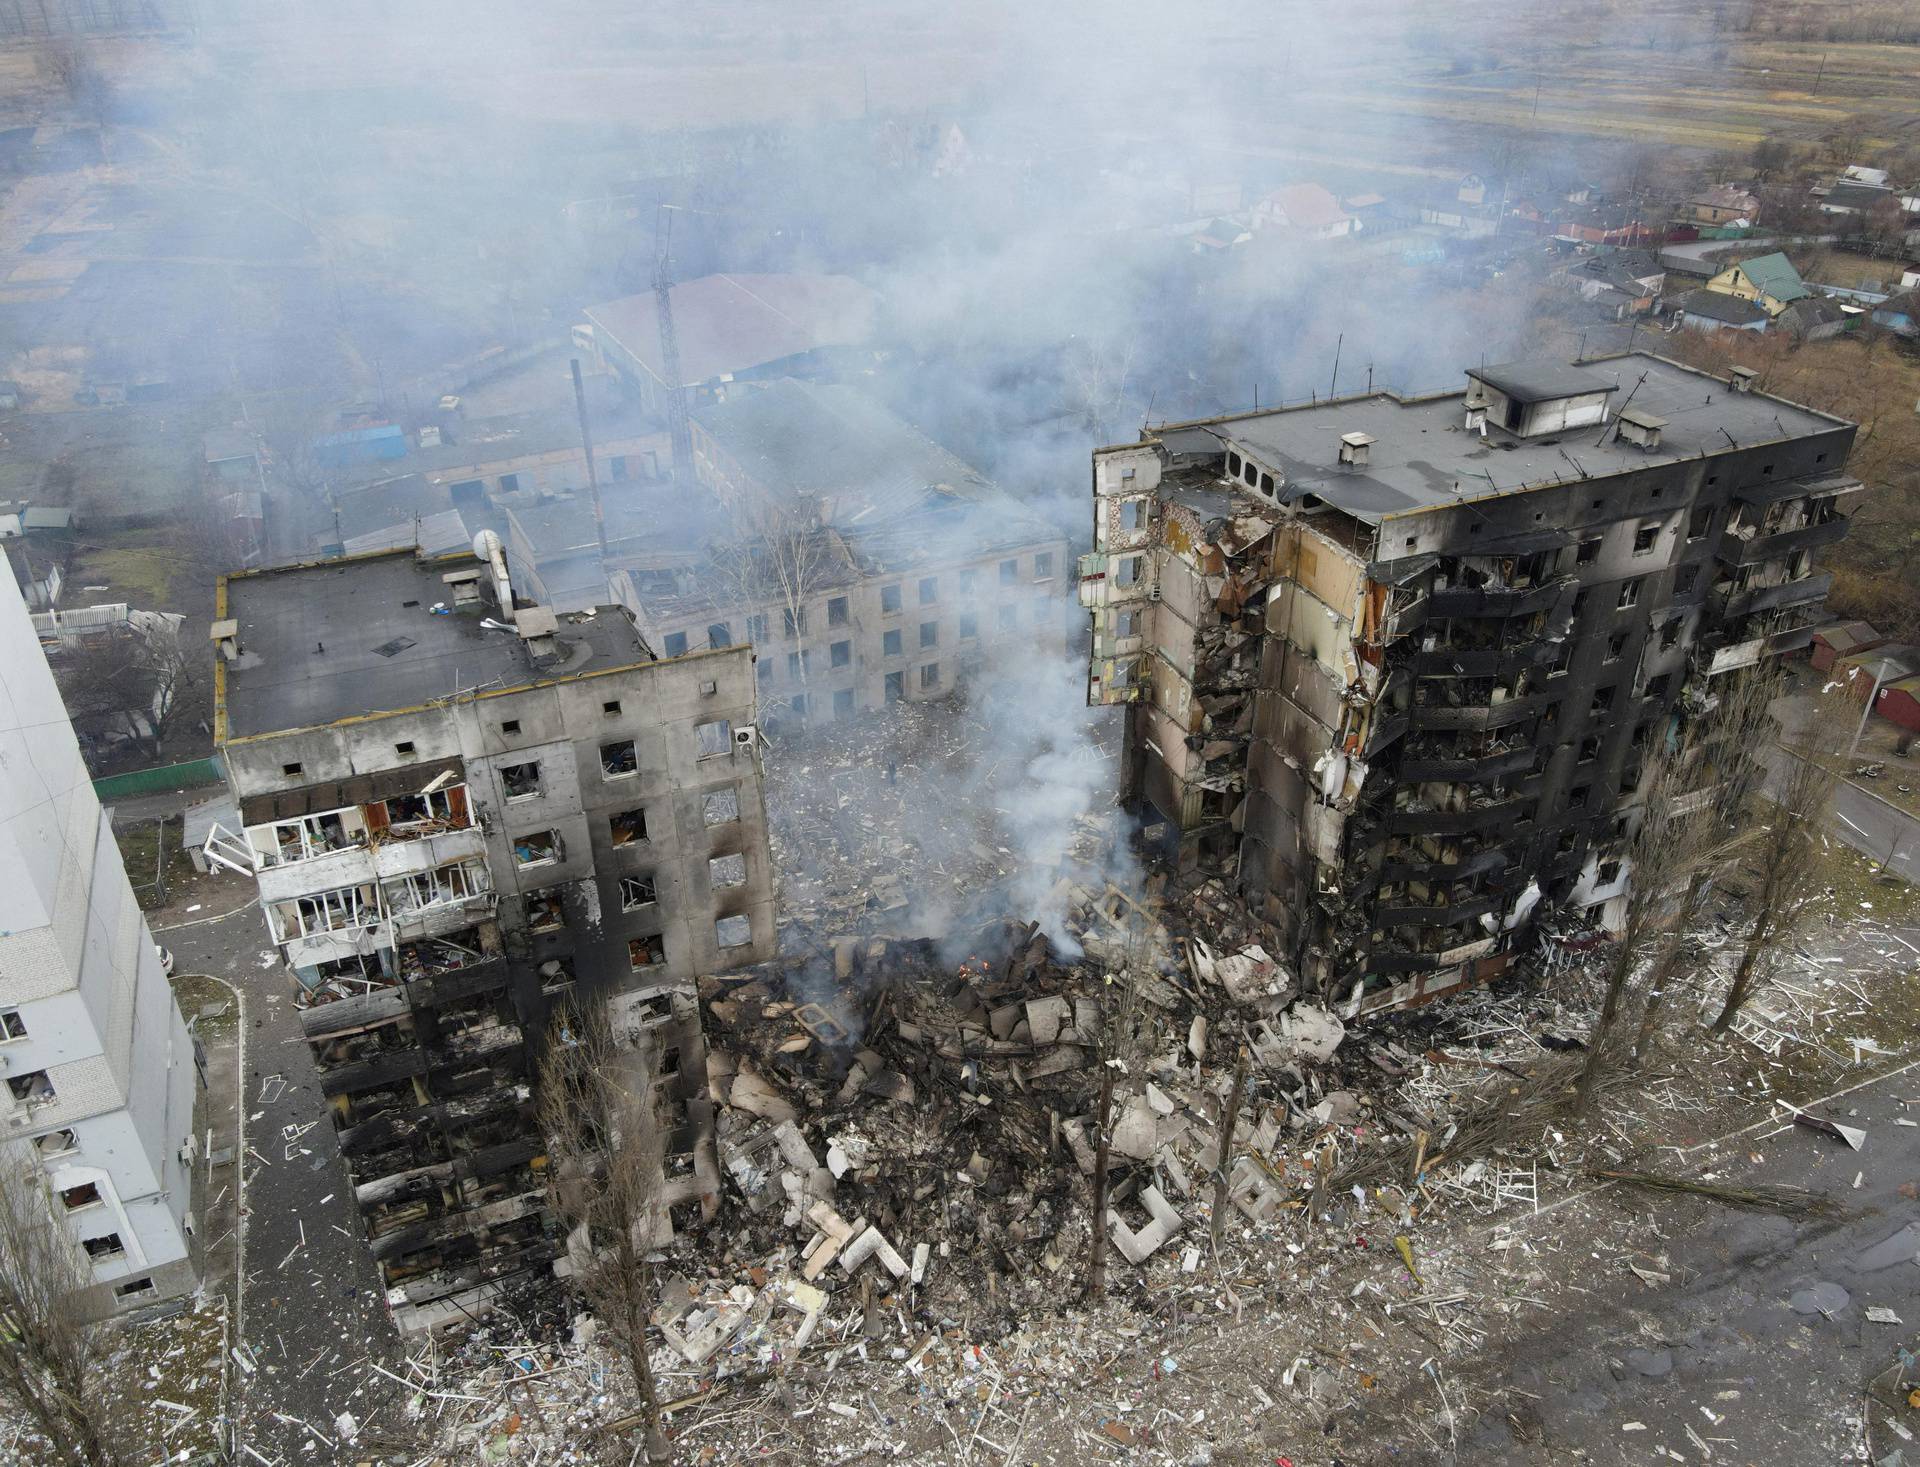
(799, 664)
(1683, 579)
(334, 911)
(676, 644)
(133, 1287)
(628, 826)
(757, 628)
(969, 582)
(1609, 872)
(57, 1143)
(719, 635)
(444, 806)
(724, 871)
(1589, 550)
(1602, 702)
(436, 888)
(714, 738)
(536, 847)
(929, 634)
(843, 703)
(799, 704)
(890, 645)
(1126, 624)
(636, 892)
(929, 676)
(1009, 616)
(646, 952)
(1616, 644)
(969, 626)
(720, 807)
(1629, 594)
(12, 1026)
(896, 686)
(1670, 634)
(619, 759)
(544, 912)
(732, 932)
(509, 483)
(1646, 536)
(1569, 838)
(836, 611)
(1589, 749)
(86, 1195)
(1043, 566)
(1126, 570)
(929, 590)
(1009, 572)
(1133, 514)
(889, 599)
(794, 622)
(520, 781)
(1657, 686)
(1699, 522)
(1577, 796)
(107, 1245)
(840, 654)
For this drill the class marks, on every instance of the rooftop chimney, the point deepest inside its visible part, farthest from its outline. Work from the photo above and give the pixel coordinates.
(1740, 379)
(1638, 427)
(1353, 448)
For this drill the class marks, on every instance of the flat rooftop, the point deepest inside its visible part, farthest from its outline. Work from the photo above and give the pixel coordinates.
(1422, 456)
(339, 639)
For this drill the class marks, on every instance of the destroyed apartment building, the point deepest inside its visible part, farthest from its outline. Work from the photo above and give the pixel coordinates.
(464, 811)
(1397, 663)
(864, 563)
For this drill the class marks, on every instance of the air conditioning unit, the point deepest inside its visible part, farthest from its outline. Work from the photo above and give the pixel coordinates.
(746, 736)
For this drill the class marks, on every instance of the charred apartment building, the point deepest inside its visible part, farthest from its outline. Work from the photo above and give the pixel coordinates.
(1398, 662)
(462, 812)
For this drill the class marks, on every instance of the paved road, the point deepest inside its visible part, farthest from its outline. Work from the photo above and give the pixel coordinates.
(1761, 1342)
(313, 1311)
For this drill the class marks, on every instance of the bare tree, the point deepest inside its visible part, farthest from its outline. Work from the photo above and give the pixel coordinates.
(50, 1355)
(126, 682)
(778, 554)
(1788, 853)
(1724, 767)
(605, 1151)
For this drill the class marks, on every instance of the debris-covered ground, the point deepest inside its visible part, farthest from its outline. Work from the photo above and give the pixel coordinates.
(897, 1272)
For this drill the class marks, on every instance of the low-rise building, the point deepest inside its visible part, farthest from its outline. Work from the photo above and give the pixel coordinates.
(1714, 310)
(1769, 281)
(99, 1066)
(1397, 663)
(467, 814)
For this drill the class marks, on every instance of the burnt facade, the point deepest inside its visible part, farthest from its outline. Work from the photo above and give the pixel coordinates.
(466, 814)
(1399, 661)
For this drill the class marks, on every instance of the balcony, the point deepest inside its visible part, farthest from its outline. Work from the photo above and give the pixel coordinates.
(1431, 760)
(1464, 601)
(1500, 662)
(1470, 859)
(1767, 598)
(423, 852)
(1478, 716)
(1732, 550)
(1486, 816)
(1444, 914)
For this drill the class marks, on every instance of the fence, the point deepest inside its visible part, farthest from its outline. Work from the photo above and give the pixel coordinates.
(158, 781)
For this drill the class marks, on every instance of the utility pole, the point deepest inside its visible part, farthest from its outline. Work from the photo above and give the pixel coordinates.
(679, 432)
(593, 477)
(1879, 676)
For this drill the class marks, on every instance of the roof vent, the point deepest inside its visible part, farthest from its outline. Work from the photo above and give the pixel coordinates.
(1353, 448)
(1638, 427)
(537, 625)
(1741, 379)
(225, 635)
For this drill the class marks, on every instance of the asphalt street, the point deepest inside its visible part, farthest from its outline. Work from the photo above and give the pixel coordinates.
(1758, 1346)
(312, 1312)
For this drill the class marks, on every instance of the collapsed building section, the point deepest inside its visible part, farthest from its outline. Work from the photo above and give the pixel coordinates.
(1397, 663)
(466, 814)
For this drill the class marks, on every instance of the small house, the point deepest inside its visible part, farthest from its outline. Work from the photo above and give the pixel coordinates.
(1769, 280)
(231, 456)
(1722, 204)
(1306, 210)
(1899, 314)
(1814, 319)
(1710, 310)
(1841, 639)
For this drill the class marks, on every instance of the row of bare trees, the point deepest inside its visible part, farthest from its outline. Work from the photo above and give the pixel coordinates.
(1722, 795)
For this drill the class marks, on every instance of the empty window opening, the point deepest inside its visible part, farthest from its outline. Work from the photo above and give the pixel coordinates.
(929, 676)
(719, 635)
(731, 932)
(1683, 581)
(714, 738)
(637, 892)
(536, 847)
(840, 654)
(1126, 570)
(757, 627)
(521, 781)
(32, 1088)
(133, 1289)
(1657, 686)
(1602, 701)
(57, 1143)
(1616, 644)
(896, 686)
(1646, 537)
(1590, 748)
(1669, 635)
(1043, 566)
(619, 759)
(969, 626)
(889, 599)
(969, 582)
(676, 644)
(836, 611)
(1133, 514)
(843, 702)
(799, 664)
(646, 952)
(794, 623)
(12, 1026)
(545, 913)
(77, 1199)
(1589, 550)
(890, 644)
(107, 1245)
(628, 826)
(929, 634)
(720, 807)
(929, 590)
(799, 704)
(724, 871)
(1009, 572)
(1609, 872)
(1699, 522)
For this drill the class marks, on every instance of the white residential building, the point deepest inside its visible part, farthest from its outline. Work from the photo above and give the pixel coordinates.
(98, 1064)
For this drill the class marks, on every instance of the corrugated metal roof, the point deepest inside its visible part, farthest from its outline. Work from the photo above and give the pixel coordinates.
(734, 323)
